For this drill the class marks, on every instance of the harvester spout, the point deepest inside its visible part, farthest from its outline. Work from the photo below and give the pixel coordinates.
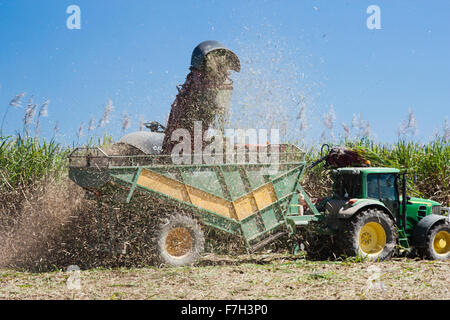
(230, 59)
(338, 157)
(206, 94)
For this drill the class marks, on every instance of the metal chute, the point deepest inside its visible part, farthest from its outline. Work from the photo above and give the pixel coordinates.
(231, 60)
(205, 96)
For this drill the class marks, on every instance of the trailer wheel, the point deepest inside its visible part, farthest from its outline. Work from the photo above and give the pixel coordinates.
(180, 241)
(371, 234)
(437, 242)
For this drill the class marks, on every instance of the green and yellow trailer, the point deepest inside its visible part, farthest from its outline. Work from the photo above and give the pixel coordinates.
(256, 201)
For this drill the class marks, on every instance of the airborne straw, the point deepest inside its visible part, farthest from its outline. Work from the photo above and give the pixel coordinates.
(55, 128)
(302, 117)
(141, 123)
(329, 119)
(125, 122)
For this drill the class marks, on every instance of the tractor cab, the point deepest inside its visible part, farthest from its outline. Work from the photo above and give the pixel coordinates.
(368, 183)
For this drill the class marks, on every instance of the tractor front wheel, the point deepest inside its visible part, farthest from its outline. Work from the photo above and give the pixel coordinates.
(180, 240)
(371, 234)
(438, 242)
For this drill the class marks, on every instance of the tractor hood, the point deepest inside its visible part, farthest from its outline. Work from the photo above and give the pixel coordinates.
(427, 202)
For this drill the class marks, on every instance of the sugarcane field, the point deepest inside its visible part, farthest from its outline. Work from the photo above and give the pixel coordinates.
(303, 154)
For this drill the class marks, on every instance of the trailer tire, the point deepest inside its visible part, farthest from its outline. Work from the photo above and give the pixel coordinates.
(437, 242)
(370, 234)
(180, 240)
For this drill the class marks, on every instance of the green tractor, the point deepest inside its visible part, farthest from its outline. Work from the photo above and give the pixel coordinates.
(369, 214)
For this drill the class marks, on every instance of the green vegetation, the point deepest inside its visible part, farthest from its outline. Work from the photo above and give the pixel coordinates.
(27, 160)
(24, 161)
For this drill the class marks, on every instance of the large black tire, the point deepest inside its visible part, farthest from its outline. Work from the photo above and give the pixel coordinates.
(437, 242)
(179, 240)
(370, 234)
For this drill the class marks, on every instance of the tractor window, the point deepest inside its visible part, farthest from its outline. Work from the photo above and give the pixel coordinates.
(348, 186)
(372, 186)
(388, 190)
(381, 186)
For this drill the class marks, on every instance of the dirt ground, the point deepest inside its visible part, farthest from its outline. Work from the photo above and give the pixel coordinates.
(262, 276)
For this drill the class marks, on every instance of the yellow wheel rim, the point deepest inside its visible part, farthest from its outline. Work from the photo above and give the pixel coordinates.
(441, 243)
(372, 238)
(178, 242)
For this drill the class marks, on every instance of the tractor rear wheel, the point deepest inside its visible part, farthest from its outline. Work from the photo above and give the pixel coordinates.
(180, 240)
(371, 234)
(437, 242)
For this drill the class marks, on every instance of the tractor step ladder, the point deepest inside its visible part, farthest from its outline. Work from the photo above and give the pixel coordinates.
(402, 238)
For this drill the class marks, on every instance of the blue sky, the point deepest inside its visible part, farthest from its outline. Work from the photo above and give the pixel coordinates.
(136, 52)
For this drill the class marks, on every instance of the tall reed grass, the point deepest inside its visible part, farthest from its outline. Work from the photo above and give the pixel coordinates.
(25, 160)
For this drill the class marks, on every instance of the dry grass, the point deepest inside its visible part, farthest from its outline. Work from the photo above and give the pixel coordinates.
(269, 276)
(26, 232)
